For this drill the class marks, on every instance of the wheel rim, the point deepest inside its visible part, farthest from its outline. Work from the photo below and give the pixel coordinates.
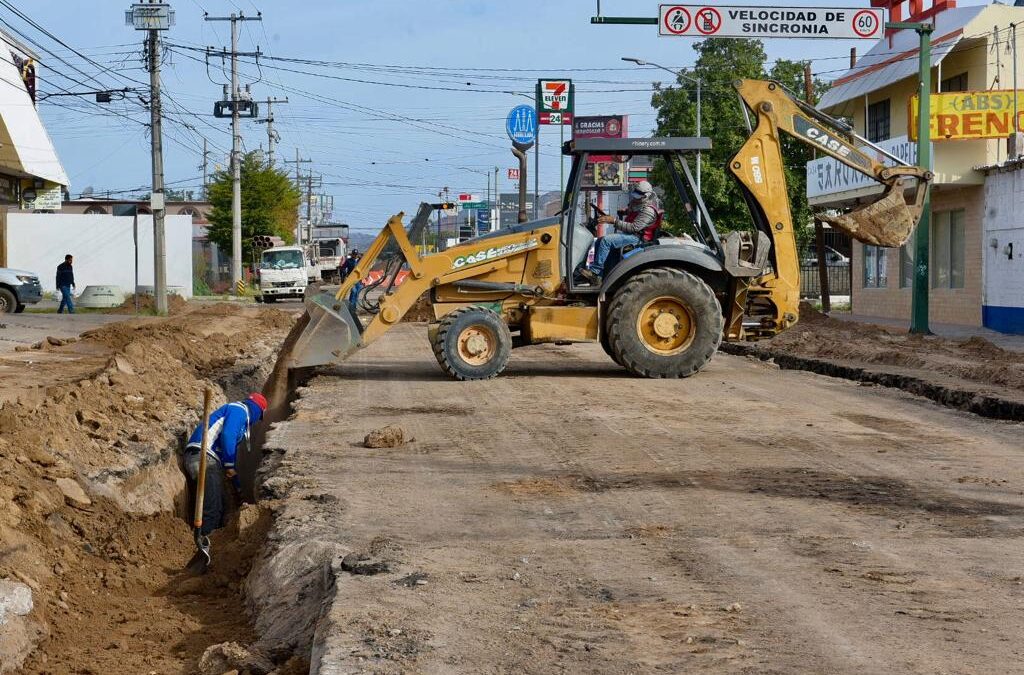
(666, 326)
(477, 345)
(5, 306)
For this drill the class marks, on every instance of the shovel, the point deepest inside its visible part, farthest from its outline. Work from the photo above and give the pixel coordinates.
(201, 560)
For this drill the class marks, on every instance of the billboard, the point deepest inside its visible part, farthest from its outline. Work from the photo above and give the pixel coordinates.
(603, 172)
(509, 207)
(970, 115)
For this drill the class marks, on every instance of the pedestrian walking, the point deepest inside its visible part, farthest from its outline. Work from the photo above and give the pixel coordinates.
(65, 284)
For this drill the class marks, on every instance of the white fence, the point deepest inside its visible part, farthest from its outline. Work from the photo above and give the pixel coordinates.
(103, 247)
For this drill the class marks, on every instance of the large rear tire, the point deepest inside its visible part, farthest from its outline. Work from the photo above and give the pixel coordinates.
(472, 343)
(664, 322)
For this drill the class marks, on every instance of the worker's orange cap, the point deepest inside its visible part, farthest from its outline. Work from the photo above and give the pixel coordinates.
(260, 400)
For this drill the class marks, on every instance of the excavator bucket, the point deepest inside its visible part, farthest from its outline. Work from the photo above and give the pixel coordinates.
(330, 335)
(886, 222)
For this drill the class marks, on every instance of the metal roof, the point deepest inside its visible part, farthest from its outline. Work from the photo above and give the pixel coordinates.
(884, 65)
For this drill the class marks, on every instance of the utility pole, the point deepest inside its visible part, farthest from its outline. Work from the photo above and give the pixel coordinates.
(919, 291)
(309, 204)
(272, 136)
(205, 168)
(298, 162)
(236, 146)
(819, 228)
(154, 17)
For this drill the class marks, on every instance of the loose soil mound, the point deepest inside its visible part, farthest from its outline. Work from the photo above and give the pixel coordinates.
(147, 305)
(421, 310)
(89, 488)
(975, 361)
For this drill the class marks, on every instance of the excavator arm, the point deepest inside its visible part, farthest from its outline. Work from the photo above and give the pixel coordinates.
(772, 299)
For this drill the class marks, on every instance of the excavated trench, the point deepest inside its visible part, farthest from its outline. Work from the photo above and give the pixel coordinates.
(125, 604)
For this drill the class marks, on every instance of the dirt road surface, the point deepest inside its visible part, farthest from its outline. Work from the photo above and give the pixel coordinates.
(566, 517)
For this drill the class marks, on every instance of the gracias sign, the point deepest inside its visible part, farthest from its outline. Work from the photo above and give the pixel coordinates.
(970, 115)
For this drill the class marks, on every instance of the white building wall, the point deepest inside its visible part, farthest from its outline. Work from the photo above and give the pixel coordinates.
(1003, 245)
(102, 246)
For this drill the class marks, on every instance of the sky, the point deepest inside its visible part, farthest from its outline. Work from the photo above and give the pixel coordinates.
(391, 101)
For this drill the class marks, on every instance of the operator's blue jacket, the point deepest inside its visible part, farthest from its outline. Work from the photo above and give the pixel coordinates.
(229, 424)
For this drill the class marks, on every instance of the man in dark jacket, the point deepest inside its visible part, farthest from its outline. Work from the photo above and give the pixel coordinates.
(229, 425)
(65, 282)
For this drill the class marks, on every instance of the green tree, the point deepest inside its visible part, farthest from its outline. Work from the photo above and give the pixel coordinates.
(269, 204)
(721, 61)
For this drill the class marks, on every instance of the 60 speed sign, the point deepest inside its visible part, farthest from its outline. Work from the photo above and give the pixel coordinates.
(740, 21)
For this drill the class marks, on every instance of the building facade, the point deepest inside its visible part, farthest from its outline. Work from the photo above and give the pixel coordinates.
(876, 95)
(31, 174)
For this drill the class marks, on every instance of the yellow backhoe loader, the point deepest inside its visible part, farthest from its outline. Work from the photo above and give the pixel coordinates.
(663, 307)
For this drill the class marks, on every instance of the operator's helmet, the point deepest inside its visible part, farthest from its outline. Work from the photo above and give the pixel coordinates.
(641, 190)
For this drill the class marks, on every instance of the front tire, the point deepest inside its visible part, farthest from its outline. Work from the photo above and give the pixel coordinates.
(472, 343)
(8, 301)
(664, 322)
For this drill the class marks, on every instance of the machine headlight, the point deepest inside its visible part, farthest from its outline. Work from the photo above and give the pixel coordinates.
(26, 279)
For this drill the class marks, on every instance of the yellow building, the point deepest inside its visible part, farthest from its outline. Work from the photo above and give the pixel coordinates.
(971, 50)
(31, 175)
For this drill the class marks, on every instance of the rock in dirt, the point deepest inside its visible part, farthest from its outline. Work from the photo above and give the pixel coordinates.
(15, 599)
(74, 495)
(363, 563)
(228, 656)
(386, 437)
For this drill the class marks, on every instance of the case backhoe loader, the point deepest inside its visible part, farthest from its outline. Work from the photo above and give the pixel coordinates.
(665, 306)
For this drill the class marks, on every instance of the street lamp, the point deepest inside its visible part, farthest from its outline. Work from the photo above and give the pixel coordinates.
(699, 83)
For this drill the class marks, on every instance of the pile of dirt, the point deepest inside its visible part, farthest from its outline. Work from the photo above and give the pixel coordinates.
(421, 310)
(147, 305)
(975, 362)
(385, 437)
(91, 497)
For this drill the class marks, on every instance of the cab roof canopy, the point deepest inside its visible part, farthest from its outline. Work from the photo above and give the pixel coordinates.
(637, 146)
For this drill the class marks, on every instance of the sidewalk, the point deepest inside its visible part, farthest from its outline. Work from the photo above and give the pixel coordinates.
(946, 330)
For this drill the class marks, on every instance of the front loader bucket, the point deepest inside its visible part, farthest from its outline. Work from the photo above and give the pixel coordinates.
(886, 222)
(330, 335)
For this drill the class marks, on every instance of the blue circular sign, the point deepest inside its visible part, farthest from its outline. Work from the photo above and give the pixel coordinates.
(521, 124)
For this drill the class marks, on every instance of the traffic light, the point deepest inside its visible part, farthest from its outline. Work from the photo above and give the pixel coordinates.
(444, 206)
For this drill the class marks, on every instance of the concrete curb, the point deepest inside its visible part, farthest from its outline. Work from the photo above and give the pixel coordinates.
(983, 405)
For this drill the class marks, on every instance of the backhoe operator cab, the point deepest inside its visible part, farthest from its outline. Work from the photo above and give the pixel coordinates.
(664, 307)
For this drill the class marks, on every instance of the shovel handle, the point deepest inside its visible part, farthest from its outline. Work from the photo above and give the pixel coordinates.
(201, 478)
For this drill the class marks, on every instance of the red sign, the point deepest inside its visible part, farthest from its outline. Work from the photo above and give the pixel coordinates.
(555, 118)
(513, 174)
(677, 20)
(708, 21)
(465, 197)
(865, 23)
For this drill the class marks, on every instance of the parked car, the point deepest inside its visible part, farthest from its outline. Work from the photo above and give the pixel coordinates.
(833, 258)
(17, 289)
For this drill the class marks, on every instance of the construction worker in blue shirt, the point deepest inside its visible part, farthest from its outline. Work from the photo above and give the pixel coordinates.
(229, 425)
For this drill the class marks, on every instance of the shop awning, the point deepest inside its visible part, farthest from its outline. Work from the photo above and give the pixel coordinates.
(25, 147)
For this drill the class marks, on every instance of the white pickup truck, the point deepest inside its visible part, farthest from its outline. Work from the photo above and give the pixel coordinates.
(286, 272)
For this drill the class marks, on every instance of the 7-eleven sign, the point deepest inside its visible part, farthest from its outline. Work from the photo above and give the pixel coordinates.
(554, 96)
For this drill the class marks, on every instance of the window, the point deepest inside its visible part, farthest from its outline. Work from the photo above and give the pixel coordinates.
(875, 273)
(95, 211)
(947, 239)
(955, 83)
(189, 211)
(878, 121)
(907, 264)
